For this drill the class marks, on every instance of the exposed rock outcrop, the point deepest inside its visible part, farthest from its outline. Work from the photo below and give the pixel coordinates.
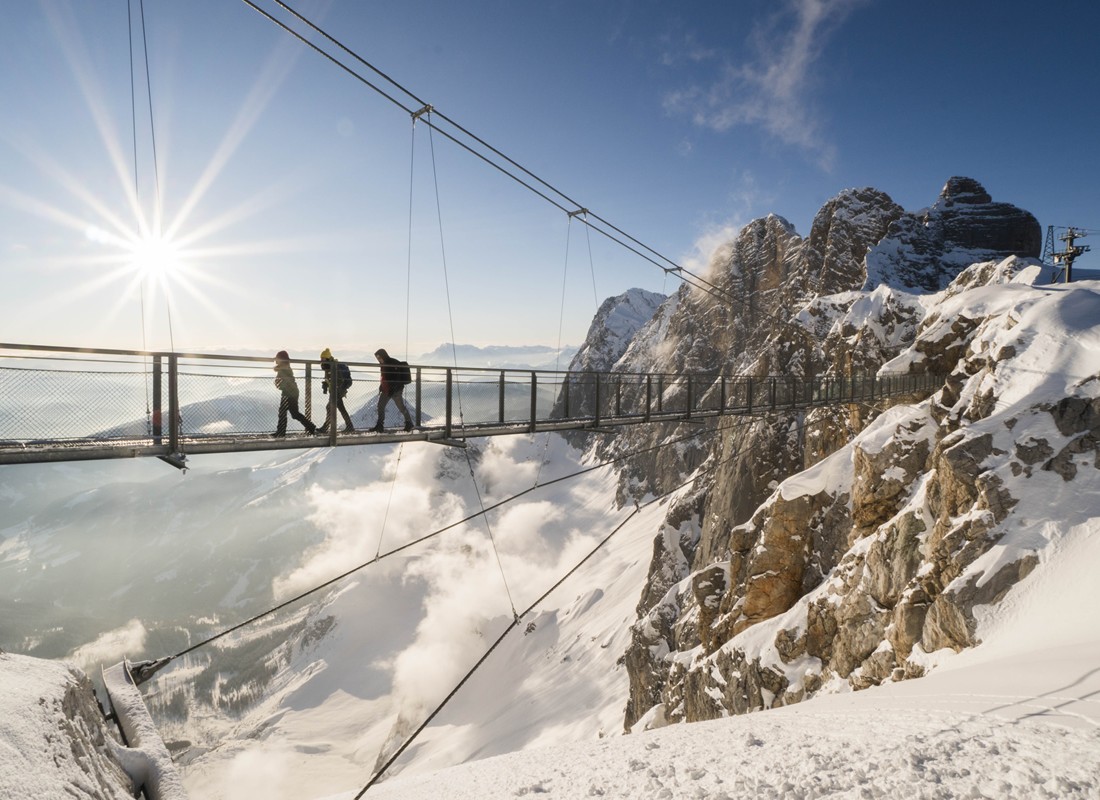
(924, 251)
(843, 544)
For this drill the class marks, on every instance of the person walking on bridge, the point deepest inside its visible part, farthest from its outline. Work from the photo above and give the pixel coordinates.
(395, 375)
(285, 383)
(338, 384)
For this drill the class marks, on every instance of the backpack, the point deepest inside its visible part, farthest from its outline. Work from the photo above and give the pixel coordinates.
(343, 374)
(402, 375)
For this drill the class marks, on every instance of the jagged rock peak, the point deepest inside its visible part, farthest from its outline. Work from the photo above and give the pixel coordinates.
(924, 251)
(616, 322)
(842, 232)
(964, 190)
(762, 253)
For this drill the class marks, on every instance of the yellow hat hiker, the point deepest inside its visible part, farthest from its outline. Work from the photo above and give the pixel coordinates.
(326, 354)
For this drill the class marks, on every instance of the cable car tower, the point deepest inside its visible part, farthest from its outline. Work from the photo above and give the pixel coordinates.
(1067, 256)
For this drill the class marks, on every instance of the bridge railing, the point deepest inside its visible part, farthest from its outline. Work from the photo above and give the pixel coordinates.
(159, 401)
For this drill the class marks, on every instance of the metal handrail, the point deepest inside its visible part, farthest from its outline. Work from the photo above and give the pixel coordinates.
(84, 405)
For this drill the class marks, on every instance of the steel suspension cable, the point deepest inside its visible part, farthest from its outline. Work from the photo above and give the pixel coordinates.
(137, 203)
(438, 532)
(157, 199)
(389, 500)
(569, 200)
(557, 351)
(408, 296)
(565, 203)
(454, 356)
(592, 267)
(508, 629)
(409, 244)
(703, 470)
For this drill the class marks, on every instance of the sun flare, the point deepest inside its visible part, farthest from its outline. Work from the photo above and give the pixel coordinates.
(154, 256)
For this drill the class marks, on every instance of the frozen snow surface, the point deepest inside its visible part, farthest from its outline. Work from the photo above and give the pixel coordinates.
(1016, 717)
(52, 741)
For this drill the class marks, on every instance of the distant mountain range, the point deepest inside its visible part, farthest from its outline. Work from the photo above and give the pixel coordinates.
(534, 356)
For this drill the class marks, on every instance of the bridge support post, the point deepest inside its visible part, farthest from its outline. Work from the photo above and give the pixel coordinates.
(309, 391)
(500, 403)
(648, 395)
(173, 404)
(597, 409)
(748, 401)
(450, 388)
(690, 399)
(333, 397)
(157, 401)
(419, 419)
(534, 401)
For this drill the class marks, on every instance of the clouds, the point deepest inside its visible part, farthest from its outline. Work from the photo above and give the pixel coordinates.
(770, 88)
(112, 646)
(464, 583)
(375, 517)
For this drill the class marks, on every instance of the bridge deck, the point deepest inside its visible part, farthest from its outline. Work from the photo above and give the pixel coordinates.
(70, 404)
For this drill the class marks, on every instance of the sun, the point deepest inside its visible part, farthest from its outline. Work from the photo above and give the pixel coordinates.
(154, 256)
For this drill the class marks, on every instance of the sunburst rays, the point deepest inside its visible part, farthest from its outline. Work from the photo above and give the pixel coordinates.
(130, 250)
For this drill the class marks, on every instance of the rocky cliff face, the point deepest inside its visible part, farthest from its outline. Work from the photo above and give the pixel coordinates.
(613, 328)
(836, 556)
(925, 250)
(758, 319)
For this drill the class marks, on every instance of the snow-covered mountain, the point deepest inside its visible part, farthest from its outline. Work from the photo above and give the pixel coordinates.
(500, 356)
(773, 565)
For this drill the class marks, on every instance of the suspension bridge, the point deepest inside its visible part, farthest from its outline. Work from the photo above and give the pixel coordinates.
(77, 404)
(60, 404)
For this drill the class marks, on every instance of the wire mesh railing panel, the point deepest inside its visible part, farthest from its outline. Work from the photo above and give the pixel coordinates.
(54, 403)
(476, 398)
(222, 405)
(432, 389)
(517, 401)
(548, 390)
(71, 396)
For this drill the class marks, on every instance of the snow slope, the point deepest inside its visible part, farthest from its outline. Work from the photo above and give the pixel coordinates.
(1016, 717)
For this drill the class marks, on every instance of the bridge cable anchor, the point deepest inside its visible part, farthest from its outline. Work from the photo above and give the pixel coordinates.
(427, 109)
(141, 671)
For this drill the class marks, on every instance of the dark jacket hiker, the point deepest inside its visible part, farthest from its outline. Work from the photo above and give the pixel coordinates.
(395, 376)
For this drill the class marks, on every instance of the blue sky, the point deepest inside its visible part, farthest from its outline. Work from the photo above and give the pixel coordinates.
(304, 210)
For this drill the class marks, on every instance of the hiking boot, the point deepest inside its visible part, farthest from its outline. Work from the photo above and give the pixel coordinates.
(408, 427)
(279, 434)
(349, 429)
(377, 428)
(323, 428)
